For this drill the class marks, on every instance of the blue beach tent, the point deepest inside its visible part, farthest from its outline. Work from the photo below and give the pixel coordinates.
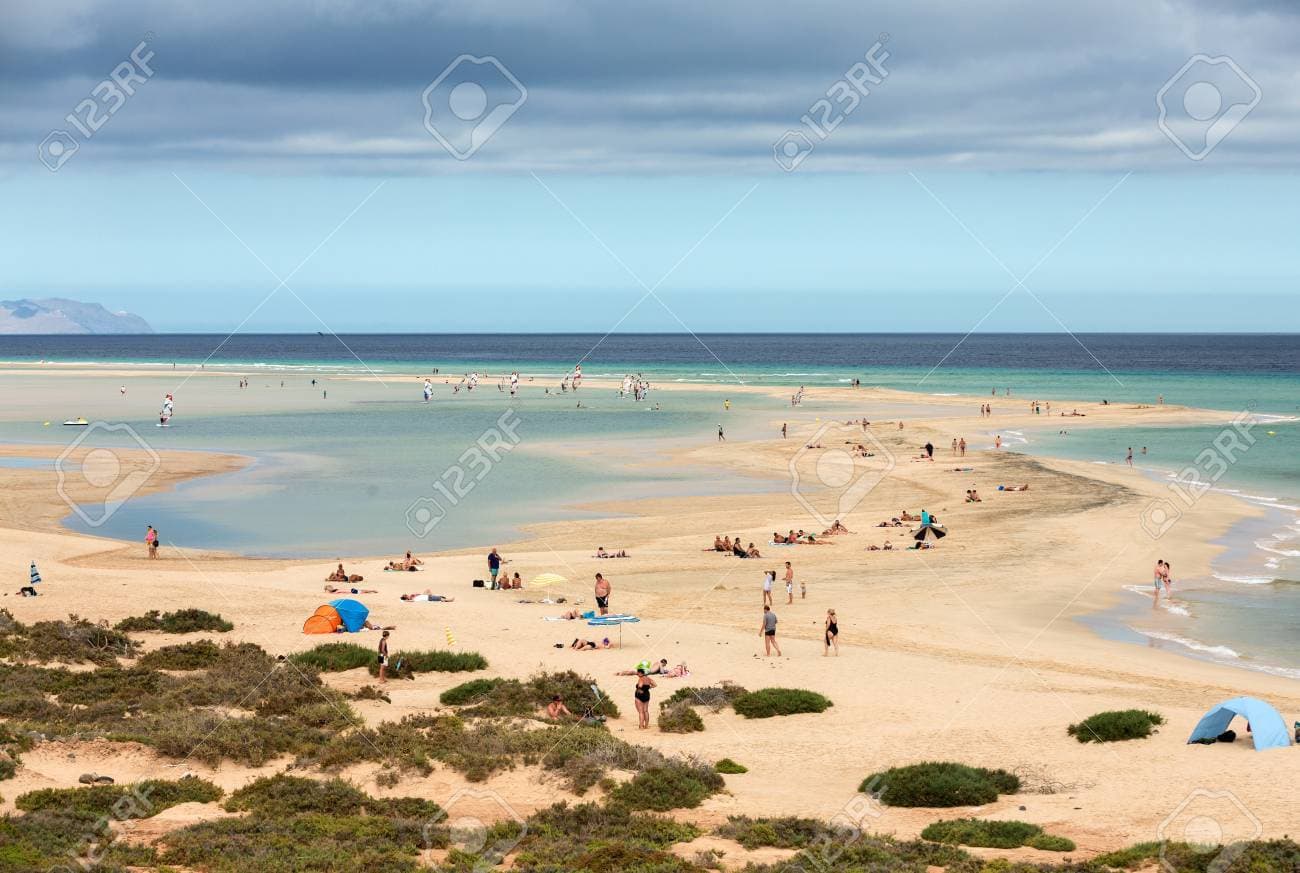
(352, 613)
(1266, 724)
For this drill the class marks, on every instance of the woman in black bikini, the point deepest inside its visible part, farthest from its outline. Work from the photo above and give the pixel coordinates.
(643, 685)
(832, 634)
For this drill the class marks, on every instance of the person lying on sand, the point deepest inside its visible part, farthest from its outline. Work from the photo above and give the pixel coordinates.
(808, 539)
(1013, 487)
(835, 529)
(893, 522)
(660, 668)
(571, 615)
(920, 545)
(589, 645)
(777, 539)
(887, 547)
(621, 553)
(336, 590)
(907, 516)
(426, 596)
(399, 567)
(369, 625)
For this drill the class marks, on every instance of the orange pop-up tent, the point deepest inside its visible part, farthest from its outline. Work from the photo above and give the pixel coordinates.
(325, 620)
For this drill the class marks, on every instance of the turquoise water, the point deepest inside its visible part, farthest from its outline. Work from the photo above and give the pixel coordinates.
(1246, 612)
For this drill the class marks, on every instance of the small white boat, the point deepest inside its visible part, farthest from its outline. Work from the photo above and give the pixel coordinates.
(75, 422)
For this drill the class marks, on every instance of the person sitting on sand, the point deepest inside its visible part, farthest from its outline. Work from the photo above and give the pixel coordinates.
(887, 547)
(339, 575)
(739, 551)
(332, 589)
(556, 709)
(835, 529)
(426, 596)
(975, 496)
(752, 552)
(717, 544)
(726, 544)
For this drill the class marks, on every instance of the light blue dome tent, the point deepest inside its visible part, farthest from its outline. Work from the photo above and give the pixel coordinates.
(1266, 724)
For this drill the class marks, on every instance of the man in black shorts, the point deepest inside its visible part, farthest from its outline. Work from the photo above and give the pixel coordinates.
(768, 632)
(602, 594)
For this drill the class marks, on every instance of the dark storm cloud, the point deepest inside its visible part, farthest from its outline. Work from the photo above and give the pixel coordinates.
(643, 86)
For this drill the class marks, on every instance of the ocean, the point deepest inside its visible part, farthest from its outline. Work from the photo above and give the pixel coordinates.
(327, 480)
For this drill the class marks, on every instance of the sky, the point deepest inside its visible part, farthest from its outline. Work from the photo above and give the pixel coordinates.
(509, 165)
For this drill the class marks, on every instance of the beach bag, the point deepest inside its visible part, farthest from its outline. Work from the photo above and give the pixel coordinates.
(478, 583)
(1228, 736)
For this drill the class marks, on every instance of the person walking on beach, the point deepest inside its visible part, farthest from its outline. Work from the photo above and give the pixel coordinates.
(383, 657)
(789, 583)
(642, 698)
(1129, 460)
(721, 436)
(929, 450)
(954, 445)
(961, 447)
(832, 635)
(997, 443)
(768, 577)
(494, 565)
(602, 594)
(783, 430)
(1158, 575)
(151, 541)
(768, 633)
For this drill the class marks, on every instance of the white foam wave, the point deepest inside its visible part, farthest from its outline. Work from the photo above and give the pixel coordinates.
(1194, 645)
(1268, 547)
(1244, 580)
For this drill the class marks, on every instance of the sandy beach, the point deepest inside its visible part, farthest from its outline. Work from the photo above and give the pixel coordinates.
(971, 651)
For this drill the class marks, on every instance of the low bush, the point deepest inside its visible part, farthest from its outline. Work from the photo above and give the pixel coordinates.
(281, 796)
(730, 767)
(468, 692)
(336, 657)
(75, 641)
(185, 656)
(782, 833)
(994, 835)
(182, 621)
(1116, 725)
(139, 800)
(680, 718)
(369, 692)
(715, 697)
(405, 665)
(512, 697)
(675, 784)
(768, 702)
(939, 784)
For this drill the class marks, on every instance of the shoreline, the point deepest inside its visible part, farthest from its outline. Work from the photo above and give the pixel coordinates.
(972, 651)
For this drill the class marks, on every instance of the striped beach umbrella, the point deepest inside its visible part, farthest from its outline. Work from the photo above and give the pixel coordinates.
(36, 576)
(546, 579)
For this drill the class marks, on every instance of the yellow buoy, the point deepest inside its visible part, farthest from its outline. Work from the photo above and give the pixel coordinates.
(46, 424)
(451, 640)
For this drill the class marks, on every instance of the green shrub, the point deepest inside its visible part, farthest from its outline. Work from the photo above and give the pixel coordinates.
(673, 785)
(768, 702)
(281, 796)
(336, 657)
(994, 835)
(182, 621)
(715, 697)
(939, 784)
(728, 766)
(680, 718)
(782, 833)
(511, 697)
(405, 665)
(310, 842)
(468, 692)
(1115, 725)
(185, 656)
(369, 692)
(75, 641)
(140, 800)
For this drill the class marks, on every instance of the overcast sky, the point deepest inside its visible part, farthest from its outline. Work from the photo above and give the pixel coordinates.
(610, 146)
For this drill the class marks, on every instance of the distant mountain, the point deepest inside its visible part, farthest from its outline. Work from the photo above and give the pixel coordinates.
(59, 315)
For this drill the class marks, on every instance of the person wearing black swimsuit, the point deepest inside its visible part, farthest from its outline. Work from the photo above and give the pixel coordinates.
(832, 634)
(642, 696)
